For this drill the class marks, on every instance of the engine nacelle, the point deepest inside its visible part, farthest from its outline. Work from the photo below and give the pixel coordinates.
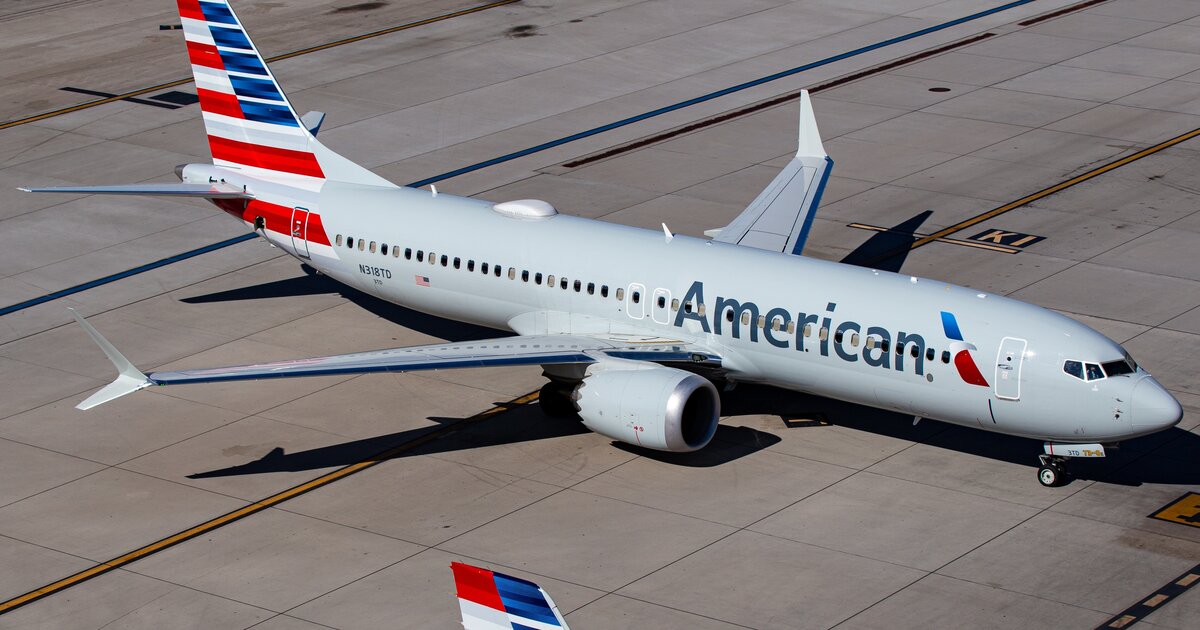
(649, 405)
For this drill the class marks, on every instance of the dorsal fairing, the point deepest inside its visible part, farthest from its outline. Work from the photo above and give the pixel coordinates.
(780, 218)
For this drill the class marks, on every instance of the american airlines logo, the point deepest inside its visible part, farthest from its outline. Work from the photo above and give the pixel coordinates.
(961, 350)
(842, 338)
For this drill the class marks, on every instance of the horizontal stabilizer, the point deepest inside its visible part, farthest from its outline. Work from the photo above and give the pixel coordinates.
(205, 191)
(312, 121)
(490, 600)
(129, 378)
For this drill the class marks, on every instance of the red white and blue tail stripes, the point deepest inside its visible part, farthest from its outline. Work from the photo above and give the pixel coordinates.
(961, 350)
(250, 124)
(494, 601)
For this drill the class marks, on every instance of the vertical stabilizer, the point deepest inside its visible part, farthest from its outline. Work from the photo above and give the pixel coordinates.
(495, 601)
(251, 125)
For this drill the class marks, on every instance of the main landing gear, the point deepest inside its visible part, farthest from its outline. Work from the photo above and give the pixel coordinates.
(1053, 472)
(555, 400)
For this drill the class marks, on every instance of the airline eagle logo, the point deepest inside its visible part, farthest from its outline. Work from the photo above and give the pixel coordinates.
(961, 351)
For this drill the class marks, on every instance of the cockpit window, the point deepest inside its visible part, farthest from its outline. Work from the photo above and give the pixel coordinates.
(1117, 368)
(1074, 368)
(1093, 371)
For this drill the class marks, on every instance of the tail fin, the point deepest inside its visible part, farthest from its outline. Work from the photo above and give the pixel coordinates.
(251, 125)
(494, 601)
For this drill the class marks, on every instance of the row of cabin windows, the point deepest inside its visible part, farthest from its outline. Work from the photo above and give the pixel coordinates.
(484, 268)
(635, 296)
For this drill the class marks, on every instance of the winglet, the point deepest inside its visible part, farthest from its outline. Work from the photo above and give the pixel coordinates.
(809, 143)
(129, 378)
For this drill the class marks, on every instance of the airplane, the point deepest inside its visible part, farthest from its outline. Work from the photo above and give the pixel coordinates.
(632, 327)
(490, 600)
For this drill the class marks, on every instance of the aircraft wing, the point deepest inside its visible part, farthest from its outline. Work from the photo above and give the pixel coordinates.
(521, 350)
(490, 600)
(780, 217)
(214, 190)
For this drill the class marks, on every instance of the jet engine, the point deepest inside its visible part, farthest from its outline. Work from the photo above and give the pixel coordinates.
(649, 405)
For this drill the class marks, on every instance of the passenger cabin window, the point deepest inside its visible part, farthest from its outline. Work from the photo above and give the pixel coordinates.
(362, 244)
(383, 248)
(604, 290)
(524, 275)
(1073, 368)
(457, 263)
(729, 315)
(496, 270)
(396, 251)
(550, 281)
(338, 241)
(407, 253)
(578, 286)
(350, 242)
(512, 273)
(620, 295)
(537, 278)
(591, 288)
(420, 256)
(445, 260)
(637, 297)
(563, 283)
(483, 267)
(930, 353)
(837, 336)
(470, 265)
(662, 302)
(372, 247)
(945, 356)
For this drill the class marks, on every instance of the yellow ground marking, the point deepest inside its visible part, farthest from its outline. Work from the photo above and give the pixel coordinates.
(259, 506)
(1046, 192)
(1188, 579)
(1125, 620)
(295, 53)
(953, 241)
(1156, 600)
(1185, 510)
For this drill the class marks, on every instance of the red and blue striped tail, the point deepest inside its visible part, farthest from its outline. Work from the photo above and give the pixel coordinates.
(494, 601)
(249, 121)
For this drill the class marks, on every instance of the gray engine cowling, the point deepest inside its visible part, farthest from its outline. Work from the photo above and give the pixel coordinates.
(649, 405)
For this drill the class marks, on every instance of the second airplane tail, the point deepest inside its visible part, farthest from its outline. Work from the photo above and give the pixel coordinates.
(250, 123)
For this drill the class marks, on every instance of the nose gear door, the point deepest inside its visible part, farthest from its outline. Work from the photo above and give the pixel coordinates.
(1008, 368)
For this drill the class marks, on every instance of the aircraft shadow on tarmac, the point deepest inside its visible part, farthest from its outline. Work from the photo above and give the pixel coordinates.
(524, 423)
(887, 251)
(1161, 458)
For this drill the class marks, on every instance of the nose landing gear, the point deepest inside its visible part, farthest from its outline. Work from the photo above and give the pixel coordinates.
(1053, 472)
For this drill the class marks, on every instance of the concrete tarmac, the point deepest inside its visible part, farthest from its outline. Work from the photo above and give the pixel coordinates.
(803, 513)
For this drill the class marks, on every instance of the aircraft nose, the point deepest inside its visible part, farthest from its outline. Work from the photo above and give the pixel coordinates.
(1154, 408)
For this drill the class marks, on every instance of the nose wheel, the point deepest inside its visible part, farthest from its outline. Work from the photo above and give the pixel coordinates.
(1053, 471)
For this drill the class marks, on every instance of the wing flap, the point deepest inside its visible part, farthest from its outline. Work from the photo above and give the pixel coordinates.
(206, 191)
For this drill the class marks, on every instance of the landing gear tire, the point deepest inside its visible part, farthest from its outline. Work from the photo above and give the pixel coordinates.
(1052, 474)
(555, 401)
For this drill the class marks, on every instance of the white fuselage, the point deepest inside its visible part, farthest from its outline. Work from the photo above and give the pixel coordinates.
(638, 282)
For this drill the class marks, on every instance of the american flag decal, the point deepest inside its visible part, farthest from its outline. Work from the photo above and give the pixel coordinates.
(422, 281)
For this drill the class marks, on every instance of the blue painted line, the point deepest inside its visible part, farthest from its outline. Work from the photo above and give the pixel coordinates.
(719, 93)
(541, 147)
(125, 274)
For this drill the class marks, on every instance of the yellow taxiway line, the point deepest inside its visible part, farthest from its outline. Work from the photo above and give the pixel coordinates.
(258, 506)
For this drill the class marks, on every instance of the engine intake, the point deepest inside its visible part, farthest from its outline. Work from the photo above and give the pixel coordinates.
(653, 406)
